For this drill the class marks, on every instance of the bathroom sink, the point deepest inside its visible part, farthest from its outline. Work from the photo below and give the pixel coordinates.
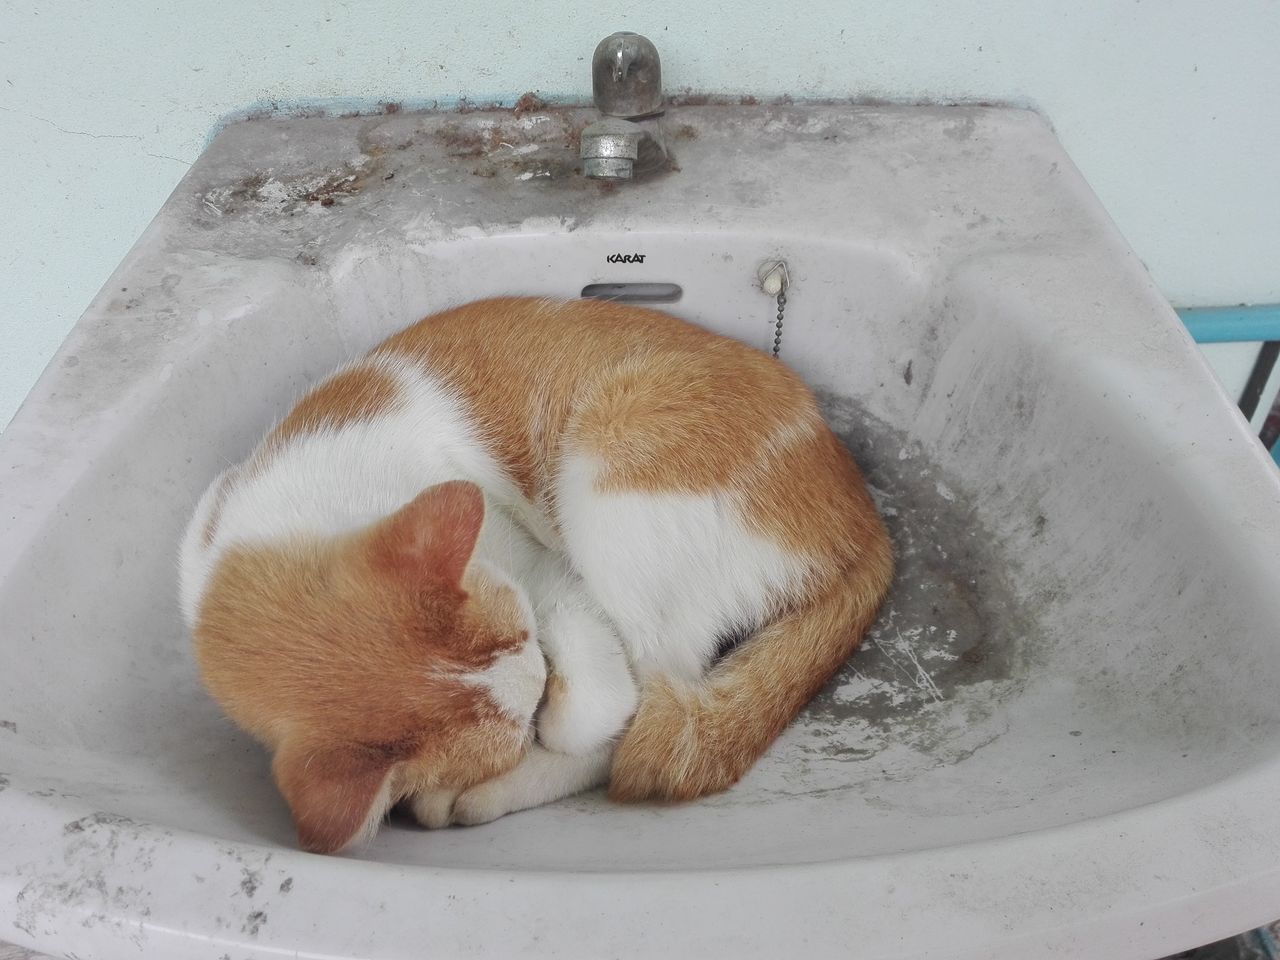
(1062, 737)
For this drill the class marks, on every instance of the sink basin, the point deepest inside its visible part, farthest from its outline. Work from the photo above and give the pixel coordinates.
(1062, 738)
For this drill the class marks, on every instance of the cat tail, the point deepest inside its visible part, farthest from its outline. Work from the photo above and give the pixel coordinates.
(689, 740)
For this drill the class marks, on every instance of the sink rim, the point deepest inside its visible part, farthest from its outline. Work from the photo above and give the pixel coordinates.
(745, 896)
(1237, 807)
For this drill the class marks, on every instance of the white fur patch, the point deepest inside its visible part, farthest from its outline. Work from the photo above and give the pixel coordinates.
(378, 811)
(337, 480)
(595, 694)
(541, 777)
(196, 559)
(515, 680)
(676, 572)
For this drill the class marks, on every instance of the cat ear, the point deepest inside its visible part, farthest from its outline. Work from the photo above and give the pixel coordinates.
(435, 533)
(335, 793)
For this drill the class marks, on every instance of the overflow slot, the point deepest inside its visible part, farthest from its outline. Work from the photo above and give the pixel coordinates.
(633, 292)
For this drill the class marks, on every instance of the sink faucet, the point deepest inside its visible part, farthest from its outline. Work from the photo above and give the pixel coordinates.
(626, 84)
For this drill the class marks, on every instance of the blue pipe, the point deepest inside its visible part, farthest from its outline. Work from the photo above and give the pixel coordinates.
(1258, 323)
(1233, 324)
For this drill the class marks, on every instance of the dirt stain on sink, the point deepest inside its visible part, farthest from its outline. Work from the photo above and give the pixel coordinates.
(531, 142)
(953, 640)
(265, 193)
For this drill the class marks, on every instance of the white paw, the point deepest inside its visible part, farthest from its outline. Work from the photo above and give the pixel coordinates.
(482, 803)
(434, 808)
(541, 777)
(577, 718)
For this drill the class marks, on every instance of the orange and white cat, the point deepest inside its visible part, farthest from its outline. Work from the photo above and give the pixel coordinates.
(373, 591)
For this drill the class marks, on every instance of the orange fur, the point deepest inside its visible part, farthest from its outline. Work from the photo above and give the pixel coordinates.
(541, 375)
(320, 648)
(670, 407)
(349, 657)
(358, 393)
(688, 741)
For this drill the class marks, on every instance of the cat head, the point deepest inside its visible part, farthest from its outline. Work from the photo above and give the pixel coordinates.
(375, 664)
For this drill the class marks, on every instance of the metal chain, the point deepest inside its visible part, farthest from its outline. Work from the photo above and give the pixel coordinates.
(774, 278)
(777, 330)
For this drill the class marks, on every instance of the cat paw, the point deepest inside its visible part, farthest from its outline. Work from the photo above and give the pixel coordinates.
(434, 808)
(680, 747)
(483, 803)
(541, 777)
(576, 719)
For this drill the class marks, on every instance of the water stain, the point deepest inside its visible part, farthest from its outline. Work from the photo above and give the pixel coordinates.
(98, 851)
(97, 820)
(953, 640)
(253, 923)
(961, 129)
(252, 879)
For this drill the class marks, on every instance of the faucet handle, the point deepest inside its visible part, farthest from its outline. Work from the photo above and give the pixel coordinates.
(626, 76)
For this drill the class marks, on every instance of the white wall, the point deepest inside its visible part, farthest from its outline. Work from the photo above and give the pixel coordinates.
(1169, 106)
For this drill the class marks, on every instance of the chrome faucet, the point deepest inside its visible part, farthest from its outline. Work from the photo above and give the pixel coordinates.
(626, 84)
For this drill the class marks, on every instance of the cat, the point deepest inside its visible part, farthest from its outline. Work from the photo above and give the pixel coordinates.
(373, 591)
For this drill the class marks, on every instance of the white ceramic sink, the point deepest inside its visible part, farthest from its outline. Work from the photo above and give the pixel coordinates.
(1061, 739)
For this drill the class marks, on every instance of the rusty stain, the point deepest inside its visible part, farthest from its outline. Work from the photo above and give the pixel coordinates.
(529, 103)
(572, 132)
(690, 99)
(337, 185)
(466, 141)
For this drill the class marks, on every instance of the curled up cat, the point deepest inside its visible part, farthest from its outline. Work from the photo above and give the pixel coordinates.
(528, 516)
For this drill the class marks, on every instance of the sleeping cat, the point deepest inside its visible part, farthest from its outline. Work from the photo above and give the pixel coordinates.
(373, 591)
